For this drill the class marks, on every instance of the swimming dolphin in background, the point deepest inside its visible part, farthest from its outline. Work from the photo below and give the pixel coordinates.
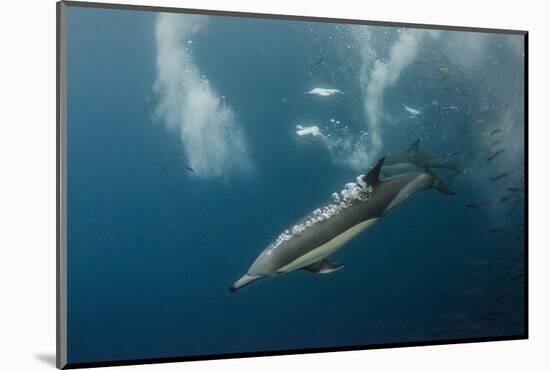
(320, 91)
(413, 112)
(308, 243)
(310, 134)
(415, 159)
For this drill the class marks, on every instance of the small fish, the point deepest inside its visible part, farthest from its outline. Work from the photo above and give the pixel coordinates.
(518, 277)
(519, 177)
(479, 121)
(454, 152)
(494, 230)
(504, 243)
(492, 315)
(495, 143)
(406, 328)
(440, 332)
(477, 205)
(189, 168)
(474, 292)
(496, 313)
(516, 190)
(504, 296)
(507, 198)
(509, 274)
(448, 108)
(512, 210)
(519, 199)
(473, 279)
(477, 262)
(499, 177)
(207, 237)
(413, 112)
(495, 154)
(494, 132)
(454, 317)
(482, 113)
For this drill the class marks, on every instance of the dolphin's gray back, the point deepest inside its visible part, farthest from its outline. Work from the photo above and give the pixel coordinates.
(322, 232)
(272, 259)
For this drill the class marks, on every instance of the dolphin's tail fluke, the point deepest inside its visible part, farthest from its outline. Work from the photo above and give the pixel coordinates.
(439, 184)
(245, 280)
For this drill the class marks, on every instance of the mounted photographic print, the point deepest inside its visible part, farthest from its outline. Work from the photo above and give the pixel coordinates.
(235, 184)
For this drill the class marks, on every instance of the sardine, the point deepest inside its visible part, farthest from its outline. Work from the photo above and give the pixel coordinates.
(504, 296)
(454, 152)
(495, 154)
(449, 108)
(477, 205)
(512, 210)
(499, 177)
(507, 198)
(493, 230)
(516, 190)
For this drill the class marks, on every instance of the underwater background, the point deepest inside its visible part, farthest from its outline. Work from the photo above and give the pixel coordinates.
(185, 161)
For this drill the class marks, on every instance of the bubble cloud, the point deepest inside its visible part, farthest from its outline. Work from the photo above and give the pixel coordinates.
(213, 141)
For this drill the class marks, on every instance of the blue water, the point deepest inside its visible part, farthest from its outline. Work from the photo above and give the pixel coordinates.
(153, 246)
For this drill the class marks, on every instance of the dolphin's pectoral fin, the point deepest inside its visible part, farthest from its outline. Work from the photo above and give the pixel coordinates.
(324, 266)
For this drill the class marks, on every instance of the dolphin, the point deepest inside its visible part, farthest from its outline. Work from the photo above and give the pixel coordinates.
(310, 134)
(320, 91)
(413, 112)
(414, 159)
(307, 244)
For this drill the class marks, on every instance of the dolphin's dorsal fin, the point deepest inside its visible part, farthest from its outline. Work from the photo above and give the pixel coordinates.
(324, 266)
(373, 176)
(413, 149)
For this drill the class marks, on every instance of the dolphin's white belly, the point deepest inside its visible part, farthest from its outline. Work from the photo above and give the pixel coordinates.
(328, 248)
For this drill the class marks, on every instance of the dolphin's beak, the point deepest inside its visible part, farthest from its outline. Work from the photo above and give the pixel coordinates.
(245, 280)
